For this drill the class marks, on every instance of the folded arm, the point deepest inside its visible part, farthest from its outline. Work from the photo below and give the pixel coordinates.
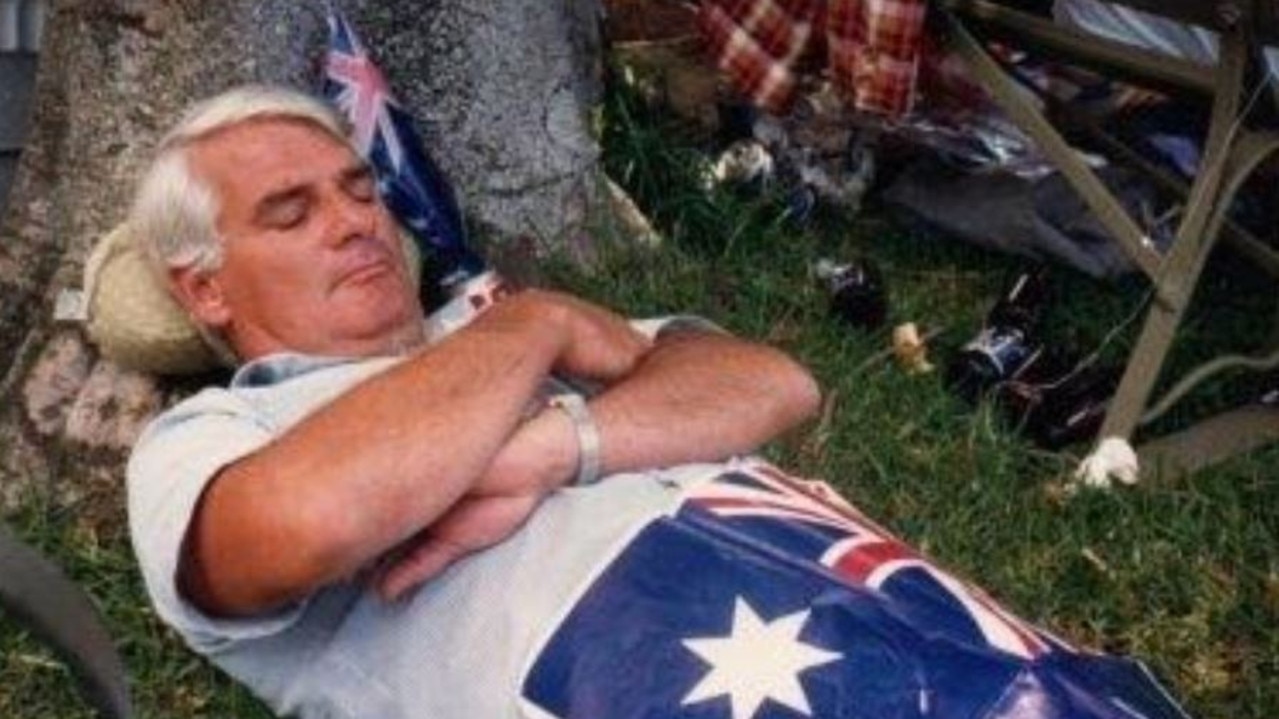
(700, 396)
(694, 397)
(370, 469)
(439, 442)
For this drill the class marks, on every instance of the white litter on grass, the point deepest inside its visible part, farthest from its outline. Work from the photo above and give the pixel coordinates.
(1113, 458)
(744, 161)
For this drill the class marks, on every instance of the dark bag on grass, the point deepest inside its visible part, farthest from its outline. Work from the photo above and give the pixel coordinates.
(1043, 219)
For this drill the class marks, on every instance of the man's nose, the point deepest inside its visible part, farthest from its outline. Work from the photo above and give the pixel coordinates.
(350, 218)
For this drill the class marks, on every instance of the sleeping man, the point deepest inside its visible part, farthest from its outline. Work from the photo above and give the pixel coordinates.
(371, 521)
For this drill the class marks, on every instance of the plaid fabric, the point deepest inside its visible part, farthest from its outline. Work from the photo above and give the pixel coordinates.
(872, 47)
(757, 43)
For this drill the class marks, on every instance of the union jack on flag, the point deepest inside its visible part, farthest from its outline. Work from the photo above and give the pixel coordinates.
(410, 184)
(761, 598)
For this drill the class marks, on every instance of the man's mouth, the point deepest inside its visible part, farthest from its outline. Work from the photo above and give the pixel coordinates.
(364, 264)
(365, 272)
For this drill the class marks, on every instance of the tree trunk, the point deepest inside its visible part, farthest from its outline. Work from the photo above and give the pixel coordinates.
(501, 88)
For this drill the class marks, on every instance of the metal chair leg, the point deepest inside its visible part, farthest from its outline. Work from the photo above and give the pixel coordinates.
(1185, 259)
(41, 598)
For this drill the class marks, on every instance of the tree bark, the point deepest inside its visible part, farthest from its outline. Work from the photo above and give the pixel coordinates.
(502, 90)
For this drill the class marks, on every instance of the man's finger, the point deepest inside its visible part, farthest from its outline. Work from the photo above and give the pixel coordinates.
(425, 560)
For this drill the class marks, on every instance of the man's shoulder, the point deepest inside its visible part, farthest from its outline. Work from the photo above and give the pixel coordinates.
(271, 386)
(212, 399)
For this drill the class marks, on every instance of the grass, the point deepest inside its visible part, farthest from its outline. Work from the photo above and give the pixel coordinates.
(1183, 575)
(166, 679)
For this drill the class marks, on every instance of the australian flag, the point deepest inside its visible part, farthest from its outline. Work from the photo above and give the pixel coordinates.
(761, 598)
(410, 184)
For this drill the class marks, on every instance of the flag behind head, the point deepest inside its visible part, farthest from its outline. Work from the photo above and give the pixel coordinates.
(410, 184)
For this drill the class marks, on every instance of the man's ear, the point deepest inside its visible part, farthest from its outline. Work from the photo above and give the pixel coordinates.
(200, 294)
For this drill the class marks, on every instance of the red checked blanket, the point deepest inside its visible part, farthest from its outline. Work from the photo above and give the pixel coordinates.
(872, 48)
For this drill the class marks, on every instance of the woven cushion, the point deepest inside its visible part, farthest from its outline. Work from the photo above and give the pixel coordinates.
(132, 317)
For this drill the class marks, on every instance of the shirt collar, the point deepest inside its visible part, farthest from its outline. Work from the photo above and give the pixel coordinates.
(275, 368)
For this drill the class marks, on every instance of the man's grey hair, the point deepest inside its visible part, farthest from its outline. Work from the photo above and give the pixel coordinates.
(174, 214)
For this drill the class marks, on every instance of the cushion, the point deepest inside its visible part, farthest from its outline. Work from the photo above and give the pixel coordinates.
(131, 315)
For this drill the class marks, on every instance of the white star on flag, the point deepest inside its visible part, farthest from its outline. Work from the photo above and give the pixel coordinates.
(758, 660)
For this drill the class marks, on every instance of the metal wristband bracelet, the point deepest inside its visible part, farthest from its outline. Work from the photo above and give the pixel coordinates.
(588, 436)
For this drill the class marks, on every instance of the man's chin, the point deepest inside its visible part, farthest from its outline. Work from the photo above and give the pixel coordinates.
(393, 333)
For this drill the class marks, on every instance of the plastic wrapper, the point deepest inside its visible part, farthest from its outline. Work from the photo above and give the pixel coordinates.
(978, 143)
(956, 118)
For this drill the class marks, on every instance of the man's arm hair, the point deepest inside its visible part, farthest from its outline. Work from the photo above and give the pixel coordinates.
(692, 398)
(700, 396)
(387, 458)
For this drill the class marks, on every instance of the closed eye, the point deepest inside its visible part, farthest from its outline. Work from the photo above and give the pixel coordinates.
(285, 210)
(360, 184)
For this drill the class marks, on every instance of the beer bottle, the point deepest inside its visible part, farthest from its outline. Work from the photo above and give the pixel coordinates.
(1008, 342)
(1072, 410)
(856, 291)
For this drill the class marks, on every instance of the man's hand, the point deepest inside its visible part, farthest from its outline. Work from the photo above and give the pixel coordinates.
(700, 397)
(604, 346)
(541, 455)
(474, 523)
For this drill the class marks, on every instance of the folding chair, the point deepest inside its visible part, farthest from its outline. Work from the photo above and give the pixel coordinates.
(40, 597)
(1233, 150)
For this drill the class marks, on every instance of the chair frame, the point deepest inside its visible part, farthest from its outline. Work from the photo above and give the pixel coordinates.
(1233, 151)
(56, 611)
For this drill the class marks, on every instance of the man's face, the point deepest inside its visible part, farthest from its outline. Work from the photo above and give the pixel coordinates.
(312, 261)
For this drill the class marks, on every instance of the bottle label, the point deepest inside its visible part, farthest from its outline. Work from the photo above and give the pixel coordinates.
(1004, 348)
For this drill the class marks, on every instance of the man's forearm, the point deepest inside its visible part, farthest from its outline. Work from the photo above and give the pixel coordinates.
(700, 396)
